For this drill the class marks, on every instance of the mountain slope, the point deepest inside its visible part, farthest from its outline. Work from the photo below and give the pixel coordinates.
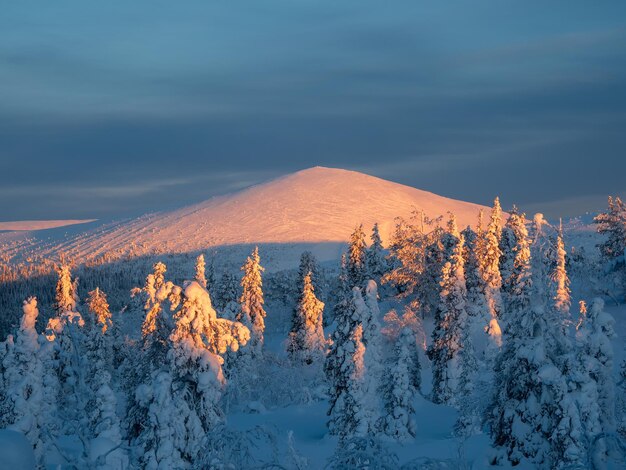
(311, 206)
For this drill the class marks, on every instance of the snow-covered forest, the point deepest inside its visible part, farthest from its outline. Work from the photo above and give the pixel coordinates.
(489, 345)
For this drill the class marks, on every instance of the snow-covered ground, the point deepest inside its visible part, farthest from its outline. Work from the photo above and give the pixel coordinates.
(32, 225)
(435, 434)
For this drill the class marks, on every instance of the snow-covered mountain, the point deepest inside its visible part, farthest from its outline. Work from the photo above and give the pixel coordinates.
(314, 206)
(32, 225)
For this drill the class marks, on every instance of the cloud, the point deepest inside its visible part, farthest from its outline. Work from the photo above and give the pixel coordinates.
(133, 105)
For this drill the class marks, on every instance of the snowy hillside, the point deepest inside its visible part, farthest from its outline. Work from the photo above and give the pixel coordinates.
(316, 205)
(31, 225)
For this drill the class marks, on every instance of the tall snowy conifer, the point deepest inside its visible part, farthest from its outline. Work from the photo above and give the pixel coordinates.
(66, 296)
(344, 291)
(451, 333)
(99, 307)
(612, 223)
(357, 249)
(24, 382)
(489, 257)
(533, 414)
(252, 312)
(153, 324)
(375, 257)
(476, 302)
(513, 231)
(593, 377)
(306, 339)
(200, 276)
(519, 281)
(353, 391)
(181, 402)
(308, 265)
(348, 413)
(562, 294)
(399, 389)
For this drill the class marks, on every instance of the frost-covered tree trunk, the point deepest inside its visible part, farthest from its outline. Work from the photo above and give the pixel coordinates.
(306, 339)
(252, 313)
(399, 389)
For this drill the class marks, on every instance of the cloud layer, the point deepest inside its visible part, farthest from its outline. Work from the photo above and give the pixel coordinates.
(117, 108)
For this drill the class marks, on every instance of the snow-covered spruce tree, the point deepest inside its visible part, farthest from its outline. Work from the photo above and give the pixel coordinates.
(593, 379)
(375, 260)
(181, 401)
(533, 414)
(308, 264)
(513, 230)
(370, 318)
(519, 281)
(252, 313)
(594, 336)
(451, 333)
(357, 249)
(23, 381)
(348, 412)
(227, 296)
(66, 296)
(435, 254)
(74, 349)
(306, 339)
(347, 354)
(562, 295)
(104, 424)
(99, 308)
(476, 303)
(343, 291)
(489, 255)
(399, 389)
(541, 260)
(612, 223)
(414, 247)
(200, 276)
(152, 324)
(394, 325)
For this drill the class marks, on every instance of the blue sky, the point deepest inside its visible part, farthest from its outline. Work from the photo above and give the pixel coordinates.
(118, 108)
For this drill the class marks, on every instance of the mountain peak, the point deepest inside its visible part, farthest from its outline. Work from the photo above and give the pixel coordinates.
(314, 205)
